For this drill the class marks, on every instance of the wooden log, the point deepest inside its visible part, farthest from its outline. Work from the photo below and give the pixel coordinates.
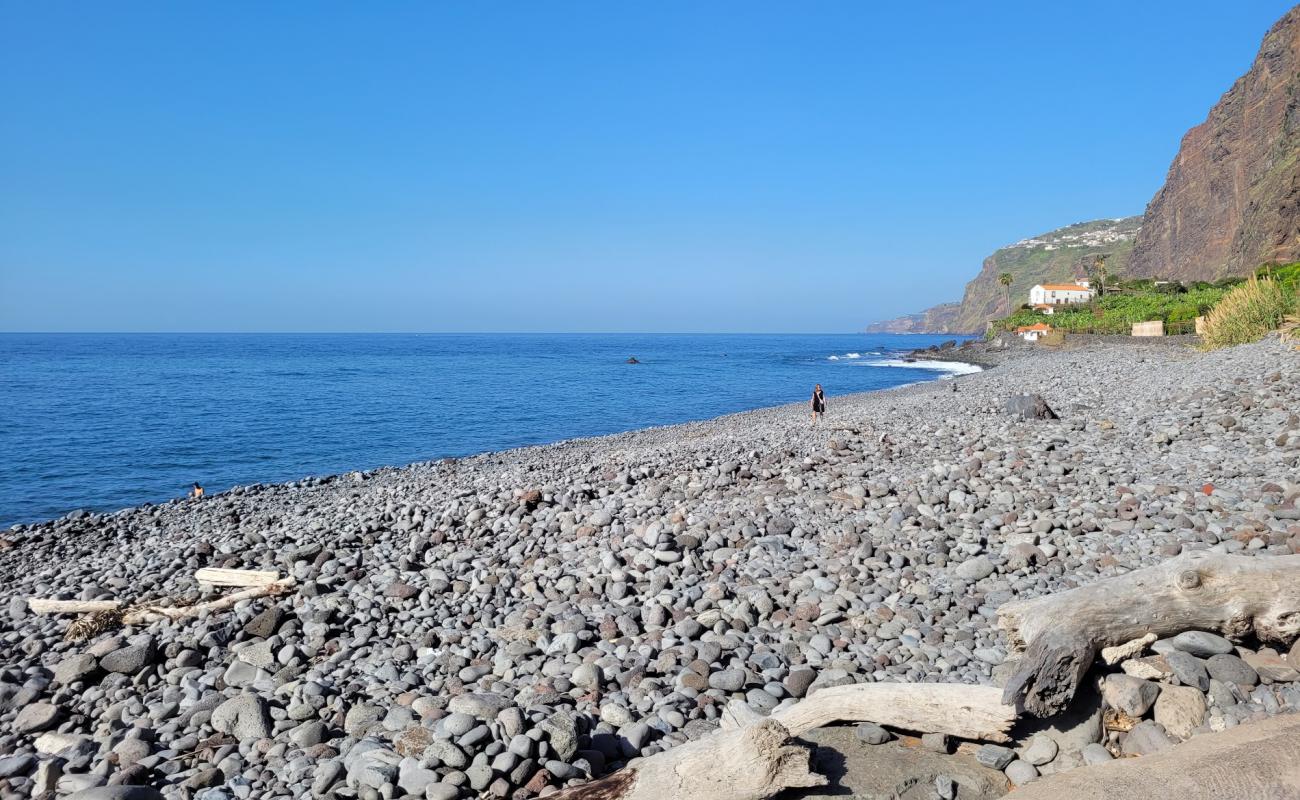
(962, 710)
(751, 763)
(1061, 634)
(1253, 760)
(152, 613)
(752, 758)
(236, 577)
(38, 605)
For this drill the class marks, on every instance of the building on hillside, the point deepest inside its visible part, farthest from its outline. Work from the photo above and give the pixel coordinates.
(1032, 333)
(1056, 294)
(1045, 308)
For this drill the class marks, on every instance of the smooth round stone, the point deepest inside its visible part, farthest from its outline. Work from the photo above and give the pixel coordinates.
(727, 680)
(1020, 772)
(1202, 644)
(1231, 669)
(1040, 750)
(458, 724)
(871, 733)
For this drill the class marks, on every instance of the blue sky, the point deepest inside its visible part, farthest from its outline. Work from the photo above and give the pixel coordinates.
(675, 166)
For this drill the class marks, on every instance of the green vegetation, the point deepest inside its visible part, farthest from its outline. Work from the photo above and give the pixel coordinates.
(1286, 275)
(1248, 312)
(1057, 256)
(1237, 310)
(1128, 302)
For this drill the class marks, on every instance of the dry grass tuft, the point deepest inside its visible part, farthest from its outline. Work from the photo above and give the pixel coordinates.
(1247, 313)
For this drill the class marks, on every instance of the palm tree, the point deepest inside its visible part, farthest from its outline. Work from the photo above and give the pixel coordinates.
(1099, 267)
(1005, 279)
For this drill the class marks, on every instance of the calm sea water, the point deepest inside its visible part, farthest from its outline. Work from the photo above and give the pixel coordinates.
(105, 421)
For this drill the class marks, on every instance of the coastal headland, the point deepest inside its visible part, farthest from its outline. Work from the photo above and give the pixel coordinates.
(515, 622)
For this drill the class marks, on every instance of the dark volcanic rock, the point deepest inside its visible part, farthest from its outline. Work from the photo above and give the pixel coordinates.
(1231, 200)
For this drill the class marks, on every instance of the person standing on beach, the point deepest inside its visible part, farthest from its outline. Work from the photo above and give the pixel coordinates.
(818, 403)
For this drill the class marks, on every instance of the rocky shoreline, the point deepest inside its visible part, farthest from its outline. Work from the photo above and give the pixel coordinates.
(511, 623)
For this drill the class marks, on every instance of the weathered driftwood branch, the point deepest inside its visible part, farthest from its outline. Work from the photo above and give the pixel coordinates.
(39, 605)
(751, 763)
(962, 710)
(753, 757)
(139, 615)
(236, 577)
(1062, 633)
(1256, 760)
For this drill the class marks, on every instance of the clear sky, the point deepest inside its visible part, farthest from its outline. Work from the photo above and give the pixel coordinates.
(566, 166)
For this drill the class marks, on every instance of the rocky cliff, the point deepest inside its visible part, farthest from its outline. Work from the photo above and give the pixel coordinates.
(1231, 200)
(1060, 255)
(940, 319)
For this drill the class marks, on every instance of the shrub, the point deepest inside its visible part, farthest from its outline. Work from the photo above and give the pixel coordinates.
(1247, 313)
(1287, 275)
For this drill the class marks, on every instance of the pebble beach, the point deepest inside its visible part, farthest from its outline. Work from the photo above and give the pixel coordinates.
(513, 623)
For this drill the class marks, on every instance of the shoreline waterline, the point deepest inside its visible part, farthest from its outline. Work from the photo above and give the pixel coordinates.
(943, 369)
(108, 422)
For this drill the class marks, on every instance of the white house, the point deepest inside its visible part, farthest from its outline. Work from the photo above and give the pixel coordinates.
(1055, 294)
(1032, 333)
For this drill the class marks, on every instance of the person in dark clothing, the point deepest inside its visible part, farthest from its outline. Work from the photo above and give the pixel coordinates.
(818, 403)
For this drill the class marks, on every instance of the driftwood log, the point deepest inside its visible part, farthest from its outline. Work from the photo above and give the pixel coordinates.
(236, 577)
(961, 710)
(144, 614)
(40, 605)
(1257, 760)
(751, 763)
(98, 616)
(1061, 634)
(754, 757)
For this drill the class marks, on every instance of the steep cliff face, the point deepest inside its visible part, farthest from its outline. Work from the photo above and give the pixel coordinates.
(1060, 255)
(1231, 200)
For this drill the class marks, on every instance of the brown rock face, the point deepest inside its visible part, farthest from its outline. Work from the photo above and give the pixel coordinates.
(1231, 201)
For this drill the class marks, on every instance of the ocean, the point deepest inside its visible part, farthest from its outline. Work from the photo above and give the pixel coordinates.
(106, 421)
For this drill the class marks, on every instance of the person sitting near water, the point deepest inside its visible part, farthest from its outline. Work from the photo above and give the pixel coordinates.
(818, 403)
(196, 493)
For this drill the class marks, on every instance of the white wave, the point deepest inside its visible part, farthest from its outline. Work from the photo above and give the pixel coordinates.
(853, 355)
(952, 368)
(833, 358)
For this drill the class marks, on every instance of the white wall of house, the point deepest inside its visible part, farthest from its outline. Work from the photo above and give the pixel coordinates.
(1055, 297)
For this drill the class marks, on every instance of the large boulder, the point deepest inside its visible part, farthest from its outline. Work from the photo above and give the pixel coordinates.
(1029, 406)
